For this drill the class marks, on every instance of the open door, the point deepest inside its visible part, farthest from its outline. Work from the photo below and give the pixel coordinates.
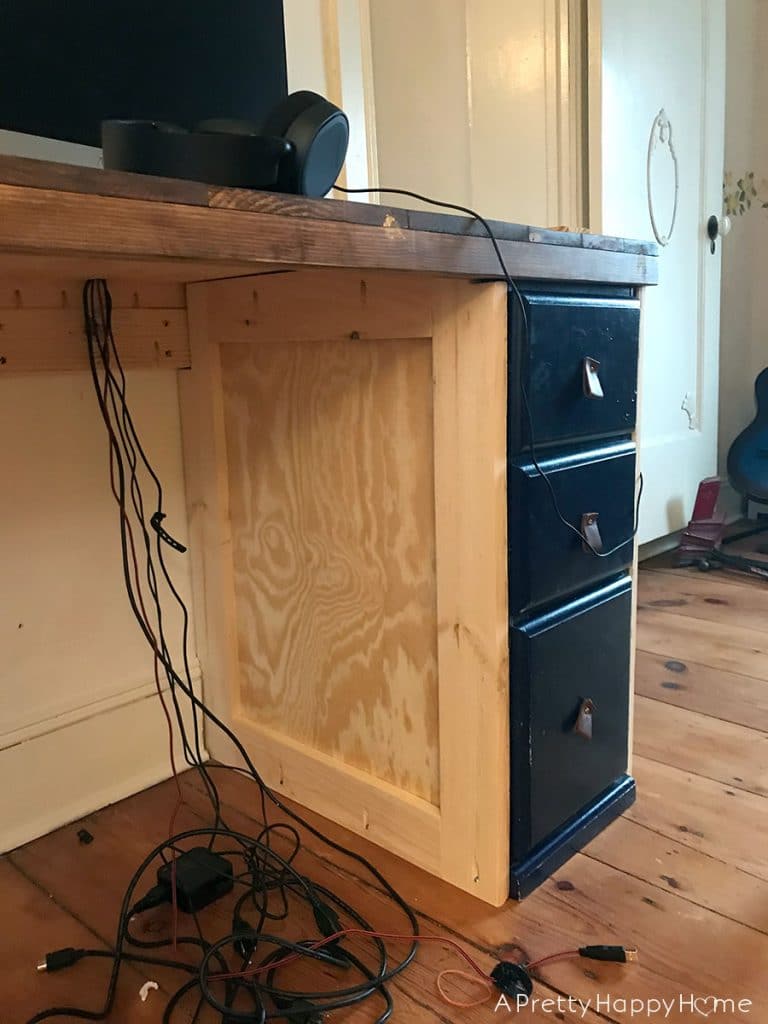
(656, 139)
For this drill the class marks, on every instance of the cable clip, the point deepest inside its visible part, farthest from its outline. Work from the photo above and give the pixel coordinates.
(156, 522)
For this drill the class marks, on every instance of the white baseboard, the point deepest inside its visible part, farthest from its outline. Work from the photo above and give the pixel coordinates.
(658, 546)
(61, 775)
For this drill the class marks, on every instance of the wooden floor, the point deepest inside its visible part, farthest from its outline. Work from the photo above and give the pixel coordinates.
(683, 876)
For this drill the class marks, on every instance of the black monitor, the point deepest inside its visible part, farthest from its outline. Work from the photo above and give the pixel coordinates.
(66, 65)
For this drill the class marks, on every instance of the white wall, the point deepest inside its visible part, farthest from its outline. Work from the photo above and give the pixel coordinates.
(328, 51)
(744, 310)
(474, 106)
(80, 725)
(79, 721)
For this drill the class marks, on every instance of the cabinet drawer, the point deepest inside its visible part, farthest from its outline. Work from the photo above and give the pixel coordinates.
(563, 331)
(547, 561)
(579, 652)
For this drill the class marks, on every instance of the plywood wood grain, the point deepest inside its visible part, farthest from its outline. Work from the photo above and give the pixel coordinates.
(334, 548)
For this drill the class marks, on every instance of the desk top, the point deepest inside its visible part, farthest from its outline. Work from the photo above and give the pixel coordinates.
(190, 231)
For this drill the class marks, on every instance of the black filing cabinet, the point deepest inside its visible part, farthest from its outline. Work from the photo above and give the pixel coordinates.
(573, 390)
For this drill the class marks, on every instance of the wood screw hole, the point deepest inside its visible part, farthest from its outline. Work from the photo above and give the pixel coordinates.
(3, 360)
(168, 353)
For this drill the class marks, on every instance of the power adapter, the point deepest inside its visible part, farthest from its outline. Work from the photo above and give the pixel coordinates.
(202, 876)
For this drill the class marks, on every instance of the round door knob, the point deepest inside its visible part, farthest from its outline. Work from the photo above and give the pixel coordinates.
(717, 226)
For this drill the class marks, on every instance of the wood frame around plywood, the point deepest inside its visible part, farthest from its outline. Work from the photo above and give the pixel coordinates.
(372, 337)
(41, 323)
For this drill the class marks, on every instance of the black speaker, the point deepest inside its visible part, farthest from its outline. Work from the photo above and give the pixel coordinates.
(300, 149)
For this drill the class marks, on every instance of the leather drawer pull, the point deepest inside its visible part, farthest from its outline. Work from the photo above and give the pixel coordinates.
(590, 531)
(583, 724)
(592, 386)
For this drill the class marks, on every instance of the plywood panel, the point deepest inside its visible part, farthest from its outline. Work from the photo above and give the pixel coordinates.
(334, 548)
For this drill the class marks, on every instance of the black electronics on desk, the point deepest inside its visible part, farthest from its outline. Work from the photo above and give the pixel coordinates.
(66, 67)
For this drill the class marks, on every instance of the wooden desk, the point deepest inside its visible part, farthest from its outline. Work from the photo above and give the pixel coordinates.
(343, 371)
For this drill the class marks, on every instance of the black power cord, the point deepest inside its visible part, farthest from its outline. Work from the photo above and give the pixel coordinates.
(270, 882)
(515, 289)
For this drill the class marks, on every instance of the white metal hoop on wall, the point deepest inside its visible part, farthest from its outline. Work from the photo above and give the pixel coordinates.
(661, 131)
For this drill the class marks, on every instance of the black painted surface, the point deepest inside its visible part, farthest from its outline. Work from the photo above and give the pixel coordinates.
(547, 562)
(548, 856)
(579, 650)
(66, 66)
(563, 329)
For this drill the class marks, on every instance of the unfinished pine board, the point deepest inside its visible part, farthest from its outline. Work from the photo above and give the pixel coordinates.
(710, 691)
(727, 753)
(42, 328)
(324, 305)
(353, 585)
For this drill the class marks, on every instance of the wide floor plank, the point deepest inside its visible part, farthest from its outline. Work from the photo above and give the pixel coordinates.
(724, 823)
(711, 598)
(723, 646)
(728, 696)
(671, 865)
(683, 875)
(34, 925)
(727, 753)
(578, 906)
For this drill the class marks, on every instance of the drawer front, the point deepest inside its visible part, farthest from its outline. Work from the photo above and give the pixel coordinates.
(564, 331)
(581, 652)
(547, 562)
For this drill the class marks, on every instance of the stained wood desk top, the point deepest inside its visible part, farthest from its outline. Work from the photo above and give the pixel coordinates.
(98, 220)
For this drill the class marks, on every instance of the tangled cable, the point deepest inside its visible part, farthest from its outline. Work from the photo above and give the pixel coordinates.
(269, 884)
(288, 940)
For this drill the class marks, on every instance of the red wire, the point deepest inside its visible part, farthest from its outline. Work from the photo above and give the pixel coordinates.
(565, 955)
(469, 1004)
